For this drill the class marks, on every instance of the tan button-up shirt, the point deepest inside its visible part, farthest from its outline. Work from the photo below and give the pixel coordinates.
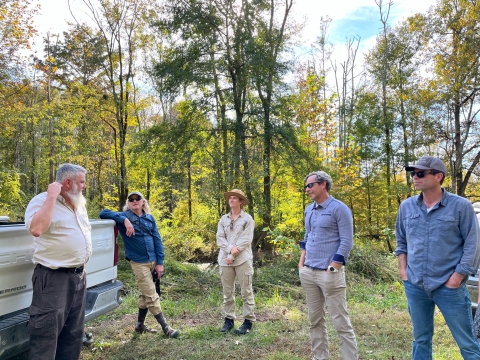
(239, 233)
(68, 240)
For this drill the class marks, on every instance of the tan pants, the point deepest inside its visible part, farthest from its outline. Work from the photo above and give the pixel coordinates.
(244, 273)
(325, 288)
(148, 296)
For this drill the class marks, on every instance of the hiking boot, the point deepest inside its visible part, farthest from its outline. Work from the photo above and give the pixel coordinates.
(228, 325)
(245, 328)
(167, 330)
(142, 329)
(171, 333)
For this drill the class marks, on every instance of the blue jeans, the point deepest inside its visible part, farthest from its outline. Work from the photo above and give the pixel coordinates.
(455, 307)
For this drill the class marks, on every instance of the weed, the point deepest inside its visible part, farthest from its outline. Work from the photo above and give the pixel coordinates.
(192, 298)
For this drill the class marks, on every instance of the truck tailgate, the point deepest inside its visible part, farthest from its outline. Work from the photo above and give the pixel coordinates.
(16, 267)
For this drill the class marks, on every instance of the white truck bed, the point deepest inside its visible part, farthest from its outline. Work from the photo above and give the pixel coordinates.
(16, 269)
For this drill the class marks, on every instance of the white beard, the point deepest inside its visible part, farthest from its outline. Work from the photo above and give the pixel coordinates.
(76, 197)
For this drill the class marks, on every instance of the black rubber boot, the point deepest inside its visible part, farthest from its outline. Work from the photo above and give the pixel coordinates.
(141, 328)
(171, 333)
(228, 325)
(245, 328)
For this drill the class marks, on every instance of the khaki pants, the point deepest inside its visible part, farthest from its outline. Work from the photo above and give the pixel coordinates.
(326, 288)
(148, 296)
(244, 273)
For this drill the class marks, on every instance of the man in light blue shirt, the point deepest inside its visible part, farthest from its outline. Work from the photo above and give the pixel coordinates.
(325, 249)
(438, 246)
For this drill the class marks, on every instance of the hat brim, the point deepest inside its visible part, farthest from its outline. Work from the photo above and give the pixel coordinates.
(240, 196)
(413, 167)
(135, 193)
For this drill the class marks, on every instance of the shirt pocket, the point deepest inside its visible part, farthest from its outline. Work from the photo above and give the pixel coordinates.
(411, 222)
(446, 223)
(241, 224)
(326, 221)
(226, 227)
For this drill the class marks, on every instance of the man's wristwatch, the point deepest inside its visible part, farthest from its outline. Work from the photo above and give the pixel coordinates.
(332, 269)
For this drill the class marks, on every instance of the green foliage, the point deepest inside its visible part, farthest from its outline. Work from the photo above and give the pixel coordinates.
(275, 280)
(284, 246)
(378, 294)
(11, 201)
(372, 264)
(192, 298)
(223, 116)
(190, 240)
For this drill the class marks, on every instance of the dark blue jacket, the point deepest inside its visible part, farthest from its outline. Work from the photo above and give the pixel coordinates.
(146, 245)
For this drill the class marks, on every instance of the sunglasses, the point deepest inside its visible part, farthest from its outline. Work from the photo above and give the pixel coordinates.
(134, 199)
(421, 174)
(310, 185)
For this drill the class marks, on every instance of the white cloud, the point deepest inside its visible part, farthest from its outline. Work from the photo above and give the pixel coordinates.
(352, 18)
(352, 11)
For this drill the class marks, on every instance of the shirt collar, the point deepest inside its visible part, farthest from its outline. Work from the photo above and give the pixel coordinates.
(324, 204)
(64, 202)
(443, 201)
(229, 215)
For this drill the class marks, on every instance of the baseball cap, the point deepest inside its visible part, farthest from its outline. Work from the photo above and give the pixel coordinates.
(135, 193)
(428, 163)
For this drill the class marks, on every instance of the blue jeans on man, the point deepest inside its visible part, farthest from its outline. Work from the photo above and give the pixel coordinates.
(455, 307)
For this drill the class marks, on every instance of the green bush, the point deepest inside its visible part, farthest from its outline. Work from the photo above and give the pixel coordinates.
(368, 262)
(190, 239)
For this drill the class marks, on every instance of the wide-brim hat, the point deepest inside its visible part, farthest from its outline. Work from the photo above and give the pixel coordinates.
(428, 163)
(238, 193)
(135, 193)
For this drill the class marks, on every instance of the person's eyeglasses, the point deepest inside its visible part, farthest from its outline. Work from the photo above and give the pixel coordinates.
(421, 174)
(231, 225)
(134, 199)
(310, 185)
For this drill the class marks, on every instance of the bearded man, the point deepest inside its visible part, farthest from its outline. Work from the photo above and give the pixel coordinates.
(58, 220)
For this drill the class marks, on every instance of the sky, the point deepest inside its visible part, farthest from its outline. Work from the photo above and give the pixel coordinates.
(352, 18)
(349, 18)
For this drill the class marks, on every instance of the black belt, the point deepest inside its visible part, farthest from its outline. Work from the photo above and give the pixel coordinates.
(76, 270)
(314, 268)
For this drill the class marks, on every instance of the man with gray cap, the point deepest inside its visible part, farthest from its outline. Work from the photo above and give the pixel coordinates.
(437, 248)
(325, 249)
(144, 250)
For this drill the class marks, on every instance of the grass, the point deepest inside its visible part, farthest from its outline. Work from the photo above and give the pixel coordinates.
(191, 301)
(192, 298)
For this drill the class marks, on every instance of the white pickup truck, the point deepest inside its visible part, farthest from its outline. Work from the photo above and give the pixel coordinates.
(16, 269)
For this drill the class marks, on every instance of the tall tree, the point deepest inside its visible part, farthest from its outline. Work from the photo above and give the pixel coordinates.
(16, 33)
(268, 66)
(120, 23)
(386, 115)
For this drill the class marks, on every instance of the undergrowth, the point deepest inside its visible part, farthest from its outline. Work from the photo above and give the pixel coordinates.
(192, 298)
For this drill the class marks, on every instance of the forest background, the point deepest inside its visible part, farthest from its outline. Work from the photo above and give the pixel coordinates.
(185, 99)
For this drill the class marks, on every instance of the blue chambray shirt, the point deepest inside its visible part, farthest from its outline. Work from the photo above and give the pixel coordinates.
(437, 243)
(329, 233)
(143, 246)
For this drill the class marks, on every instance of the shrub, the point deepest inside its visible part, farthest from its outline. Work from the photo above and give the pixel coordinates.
(372, 264)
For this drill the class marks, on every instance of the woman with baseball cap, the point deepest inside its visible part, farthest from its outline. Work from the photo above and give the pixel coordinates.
(144, 250)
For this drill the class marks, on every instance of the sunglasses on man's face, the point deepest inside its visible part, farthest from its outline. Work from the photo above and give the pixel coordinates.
(134, 199)
(421, 174)
(310, 185)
